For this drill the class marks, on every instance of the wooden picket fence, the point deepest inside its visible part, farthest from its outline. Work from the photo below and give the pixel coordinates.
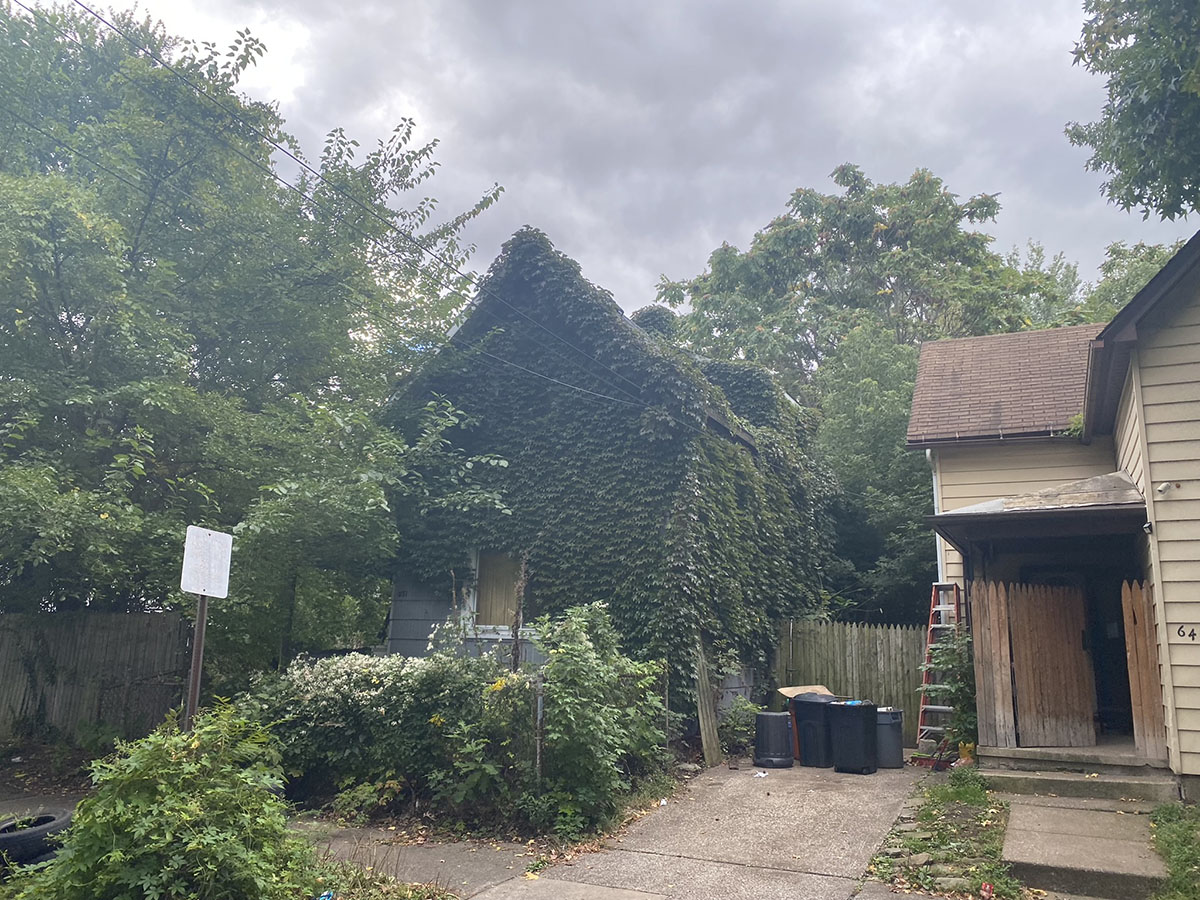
(881, 663)
(67, 675)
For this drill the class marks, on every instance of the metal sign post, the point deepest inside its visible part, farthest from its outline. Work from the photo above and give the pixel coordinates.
(206, 556)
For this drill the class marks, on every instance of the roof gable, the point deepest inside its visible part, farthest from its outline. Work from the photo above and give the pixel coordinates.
(1001, 386)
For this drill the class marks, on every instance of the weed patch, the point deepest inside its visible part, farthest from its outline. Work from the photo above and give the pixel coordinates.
(949, 840)
(1177, 839)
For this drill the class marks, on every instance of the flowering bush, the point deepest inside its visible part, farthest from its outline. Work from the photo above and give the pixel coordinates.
(461, 732)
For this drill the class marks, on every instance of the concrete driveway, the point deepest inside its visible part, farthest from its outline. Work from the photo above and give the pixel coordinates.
(795, 833)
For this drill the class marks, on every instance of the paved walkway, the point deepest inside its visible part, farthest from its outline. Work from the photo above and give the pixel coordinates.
(798, 832)
(795, 833)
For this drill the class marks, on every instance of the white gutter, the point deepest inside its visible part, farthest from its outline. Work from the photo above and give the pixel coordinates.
(937, 509)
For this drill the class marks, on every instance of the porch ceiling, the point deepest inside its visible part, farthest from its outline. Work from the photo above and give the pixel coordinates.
(1105, 504)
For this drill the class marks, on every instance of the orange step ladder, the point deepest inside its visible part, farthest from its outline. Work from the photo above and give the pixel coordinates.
(945, 614)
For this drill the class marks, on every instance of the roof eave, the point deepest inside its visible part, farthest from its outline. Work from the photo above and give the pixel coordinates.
(1109, 352)
(933, 443)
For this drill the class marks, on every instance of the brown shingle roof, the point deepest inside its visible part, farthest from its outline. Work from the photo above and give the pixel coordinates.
(1000, 385)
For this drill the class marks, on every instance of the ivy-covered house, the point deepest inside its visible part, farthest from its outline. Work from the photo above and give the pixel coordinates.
(678, 491)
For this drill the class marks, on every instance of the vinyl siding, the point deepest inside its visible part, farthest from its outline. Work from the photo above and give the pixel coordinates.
(1127, 436)
(974, 474)
(1167, 366)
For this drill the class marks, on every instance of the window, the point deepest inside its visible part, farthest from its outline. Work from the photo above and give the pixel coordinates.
(496, 589)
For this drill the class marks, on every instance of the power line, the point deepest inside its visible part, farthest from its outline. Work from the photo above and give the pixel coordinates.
(317, 204)
(134, 185)
(310, 198)
(316, 173)
(509, 362)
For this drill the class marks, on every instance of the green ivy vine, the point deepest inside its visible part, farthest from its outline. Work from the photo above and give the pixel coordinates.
(680, 527)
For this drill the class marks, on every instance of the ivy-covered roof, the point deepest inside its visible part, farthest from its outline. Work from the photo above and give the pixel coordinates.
(680, 492)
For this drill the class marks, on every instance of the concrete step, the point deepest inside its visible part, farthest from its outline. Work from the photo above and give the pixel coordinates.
(1126, 807)
(1150, 788)
(1081, 851)
(1105, 760)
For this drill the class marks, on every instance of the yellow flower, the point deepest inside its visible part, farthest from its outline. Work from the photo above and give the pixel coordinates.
(436, 720)
(497, 685)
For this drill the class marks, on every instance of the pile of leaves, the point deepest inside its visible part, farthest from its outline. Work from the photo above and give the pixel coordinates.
(456, 735)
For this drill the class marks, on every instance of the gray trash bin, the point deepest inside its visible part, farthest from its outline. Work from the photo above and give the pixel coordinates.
(889, 737)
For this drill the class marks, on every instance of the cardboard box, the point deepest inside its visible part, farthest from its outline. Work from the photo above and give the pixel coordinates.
(791, 692)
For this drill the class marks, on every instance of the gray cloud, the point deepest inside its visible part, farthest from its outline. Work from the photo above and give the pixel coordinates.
(640, 136)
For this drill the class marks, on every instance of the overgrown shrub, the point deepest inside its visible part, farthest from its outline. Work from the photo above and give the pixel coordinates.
(736, 726)
(181, 815)
(461, 733)
(603, 721)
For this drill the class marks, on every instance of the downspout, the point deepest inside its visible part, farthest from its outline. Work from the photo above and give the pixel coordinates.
(937, 509)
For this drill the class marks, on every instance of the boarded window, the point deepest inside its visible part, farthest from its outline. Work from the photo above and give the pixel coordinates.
(496, 594)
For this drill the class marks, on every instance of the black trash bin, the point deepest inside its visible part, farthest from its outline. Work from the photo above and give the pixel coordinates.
(773, 740)
(889, 737)
(853, 731)
(810, 715)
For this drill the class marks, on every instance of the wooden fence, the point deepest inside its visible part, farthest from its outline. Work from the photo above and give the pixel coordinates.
(68, 674)
(881, 663)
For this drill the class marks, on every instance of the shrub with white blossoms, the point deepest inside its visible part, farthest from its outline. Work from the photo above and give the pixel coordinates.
(458, 731)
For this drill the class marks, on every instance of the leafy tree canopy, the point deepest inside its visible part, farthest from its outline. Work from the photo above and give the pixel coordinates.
(185, 340)
(1147, 139)
(834, 296)
(902, 255)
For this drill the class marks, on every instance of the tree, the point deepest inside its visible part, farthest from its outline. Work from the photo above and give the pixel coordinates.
(185, 340)
(834, 296)
(1147, 139)
(1051, 290)
(902, 255)
(865, 390)
(1125, 271)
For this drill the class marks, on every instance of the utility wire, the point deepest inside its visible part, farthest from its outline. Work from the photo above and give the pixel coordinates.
(508, 362)
(267, 170)
(140, 188)
(316, 173)
(317, 204)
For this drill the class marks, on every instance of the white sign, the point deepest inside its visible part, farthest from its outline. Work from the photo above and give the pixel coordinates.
(206, 562)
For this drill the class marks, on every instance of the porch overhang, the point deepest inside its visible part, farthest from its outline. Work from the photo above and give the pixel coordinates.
(1103, 505)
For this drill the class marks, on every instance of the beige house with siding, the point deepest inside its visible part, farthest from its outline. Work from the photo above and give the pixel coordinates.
(1066, 472)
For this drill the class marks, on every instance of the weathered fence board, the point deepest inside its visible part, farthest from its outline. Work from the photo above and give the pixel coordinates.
(67, 673)
(1141, 650)
(881, 663)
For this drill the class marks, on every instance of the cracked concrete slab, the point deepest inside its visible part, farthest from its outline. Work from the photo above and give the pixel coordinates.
(815, 821)
(688, 878)
(466, 868)
(523, 889)
(1083, 851)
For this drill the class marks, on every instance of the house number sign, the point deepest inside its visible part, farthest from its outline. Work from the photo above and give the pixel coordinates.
(1190, 635)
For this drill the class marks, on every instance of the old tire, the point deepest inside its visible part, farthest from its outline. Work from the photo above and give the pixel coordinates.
(22, 842)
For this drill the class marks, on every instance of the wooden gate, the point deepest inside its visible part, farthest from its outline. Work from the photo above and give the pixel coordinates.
(1034, 675)
(1141, 654)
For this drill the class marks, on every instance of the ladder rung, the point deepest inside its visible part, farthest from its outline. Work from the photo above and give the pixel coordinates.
(932, 728)
(943, 608)
(937, 709)
(946, 625)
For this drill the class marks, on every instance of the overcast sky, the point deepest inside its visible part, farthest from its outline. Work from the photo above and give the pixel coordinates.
(641, 134)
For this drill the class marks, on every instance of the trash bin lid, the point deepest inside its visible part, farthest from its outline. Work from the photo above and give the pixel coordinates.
(813, 697)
